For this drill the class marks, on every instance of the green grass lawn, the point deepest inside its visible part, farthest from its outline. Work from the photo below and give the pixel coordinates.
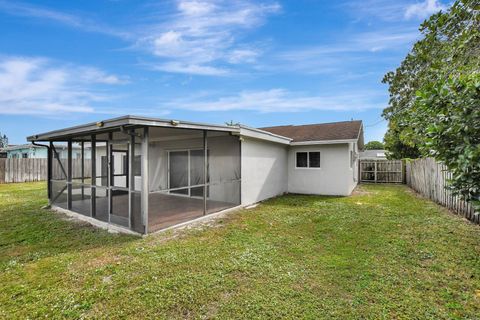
(381, 253)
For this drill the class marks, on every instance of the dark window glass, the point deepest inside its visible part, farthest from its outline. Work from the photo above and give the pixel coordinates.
(137, 165)
(314, 159)
(104, 170)
(302, 159)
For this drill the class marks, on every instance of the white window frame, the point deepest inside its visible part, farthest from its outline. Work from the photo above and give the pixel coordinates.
(353, 157)
(308, 160)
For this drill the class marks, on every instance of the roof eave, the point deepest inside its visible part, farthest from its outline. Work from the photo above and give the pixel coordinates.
(130, 121)
(263, 135)
(306, 143)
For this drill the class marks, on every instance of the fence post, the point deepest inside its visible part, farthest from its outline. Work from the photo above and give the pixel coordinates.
(2, 169)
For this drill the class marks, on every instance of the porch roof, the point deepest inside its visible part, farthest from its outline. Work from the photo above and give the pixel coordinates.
(125, 122)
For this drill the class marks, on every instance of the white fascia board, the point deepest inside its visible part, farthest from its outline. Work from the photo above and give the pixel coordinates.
(116, 123)
(307, 143)
(262, 135)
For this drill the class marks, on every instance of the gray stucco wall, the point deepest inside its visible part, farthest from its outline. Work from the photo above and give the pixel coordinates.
(264, 170)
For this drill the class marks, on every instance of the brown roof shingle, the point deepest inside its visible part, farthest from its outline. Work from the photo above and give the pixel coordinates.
(319, 132)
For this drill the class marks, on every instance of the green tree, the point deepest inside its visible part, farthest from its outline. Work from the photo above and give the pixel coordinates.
(434, 101)
(374, 145)
(3, 141)
(232, 124)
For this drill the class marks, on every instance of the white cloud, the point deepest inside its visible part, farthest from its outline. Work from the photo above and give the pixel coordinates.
(338, 57)
(193, 69)
(29, 10)
(242, 55)
(196, 38)
(423, 9)
(281, 100)
(201, 34)
(385, 10)
(36, 86)
(391, 11)
(195, 8)
(94, 75)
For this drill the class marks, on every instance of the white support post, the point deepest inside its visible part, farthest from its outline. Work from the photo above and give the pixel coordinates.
(93, 174)
(69, 174)
(145, 183)
(205, 168)
(109, 174)
(82, 168)
(131, 177)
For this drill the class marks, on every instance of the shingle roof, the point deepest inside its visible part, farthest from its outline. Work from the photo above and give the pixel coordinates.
(319, 132)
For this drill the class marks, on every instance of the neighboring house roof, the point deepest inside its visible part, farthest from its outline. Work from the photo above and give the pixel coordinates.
(345, 130)
(373, 154)
(20, 146)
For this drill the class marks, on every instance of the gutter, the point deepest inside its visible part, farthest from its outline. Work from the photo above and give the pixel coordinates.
(49, 166)
(307, 143)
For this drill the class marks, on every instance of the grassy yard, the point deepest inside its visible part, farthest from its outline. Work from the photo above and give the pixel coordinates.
(381, 253)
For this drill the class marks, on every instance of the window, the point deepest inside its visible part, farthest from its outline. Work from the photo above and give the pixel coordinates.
(308, 159)
(314, 159)
(352, 155)
(24, 155)
(186, 171)
(302, 161)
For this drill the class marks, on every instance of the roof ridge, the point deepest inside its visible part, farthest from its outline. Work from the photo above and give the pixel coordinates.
(312, 124)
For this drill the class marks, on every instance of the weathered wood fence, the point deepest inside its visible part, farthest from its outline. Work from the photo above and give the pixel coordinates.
(22, 170)
(429, 178)
(14, 170)
(382, 171)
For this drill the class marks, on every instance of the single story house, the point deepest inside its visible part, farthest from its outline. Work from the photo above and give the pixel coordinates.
(31, 151)
(373, 155)
(145, 174)
(24, 151)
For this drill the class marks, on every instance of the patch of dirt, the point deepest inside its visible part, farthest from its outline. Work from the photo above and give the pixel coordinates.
(360, 191)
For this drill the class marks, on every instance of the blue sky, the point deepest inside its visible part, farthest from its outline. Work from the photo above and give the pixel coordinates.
(260, 63)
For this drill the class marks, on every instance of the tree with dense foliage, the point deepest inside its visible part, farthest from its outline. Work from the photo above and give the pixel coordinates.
(434, 107)
(232, 124)
(374, 145)
(3, 141)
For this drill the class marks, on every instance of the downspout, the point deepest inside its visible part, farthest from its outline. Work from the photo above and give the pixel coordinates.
(49, 167)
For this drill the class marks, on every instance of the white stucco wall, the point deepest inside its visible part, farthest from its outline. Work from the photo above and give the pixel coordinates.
(334, 177)
(264, 170)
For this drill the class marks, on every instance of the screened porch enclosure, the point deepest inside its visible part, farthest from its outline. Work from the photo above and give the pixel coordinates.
(146, 178)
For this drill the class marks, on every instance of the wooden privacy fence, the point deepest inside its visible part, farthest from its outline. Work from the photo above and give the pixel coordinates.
(429, 178)
(22, 170)
(382, 171)
(14, 170)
